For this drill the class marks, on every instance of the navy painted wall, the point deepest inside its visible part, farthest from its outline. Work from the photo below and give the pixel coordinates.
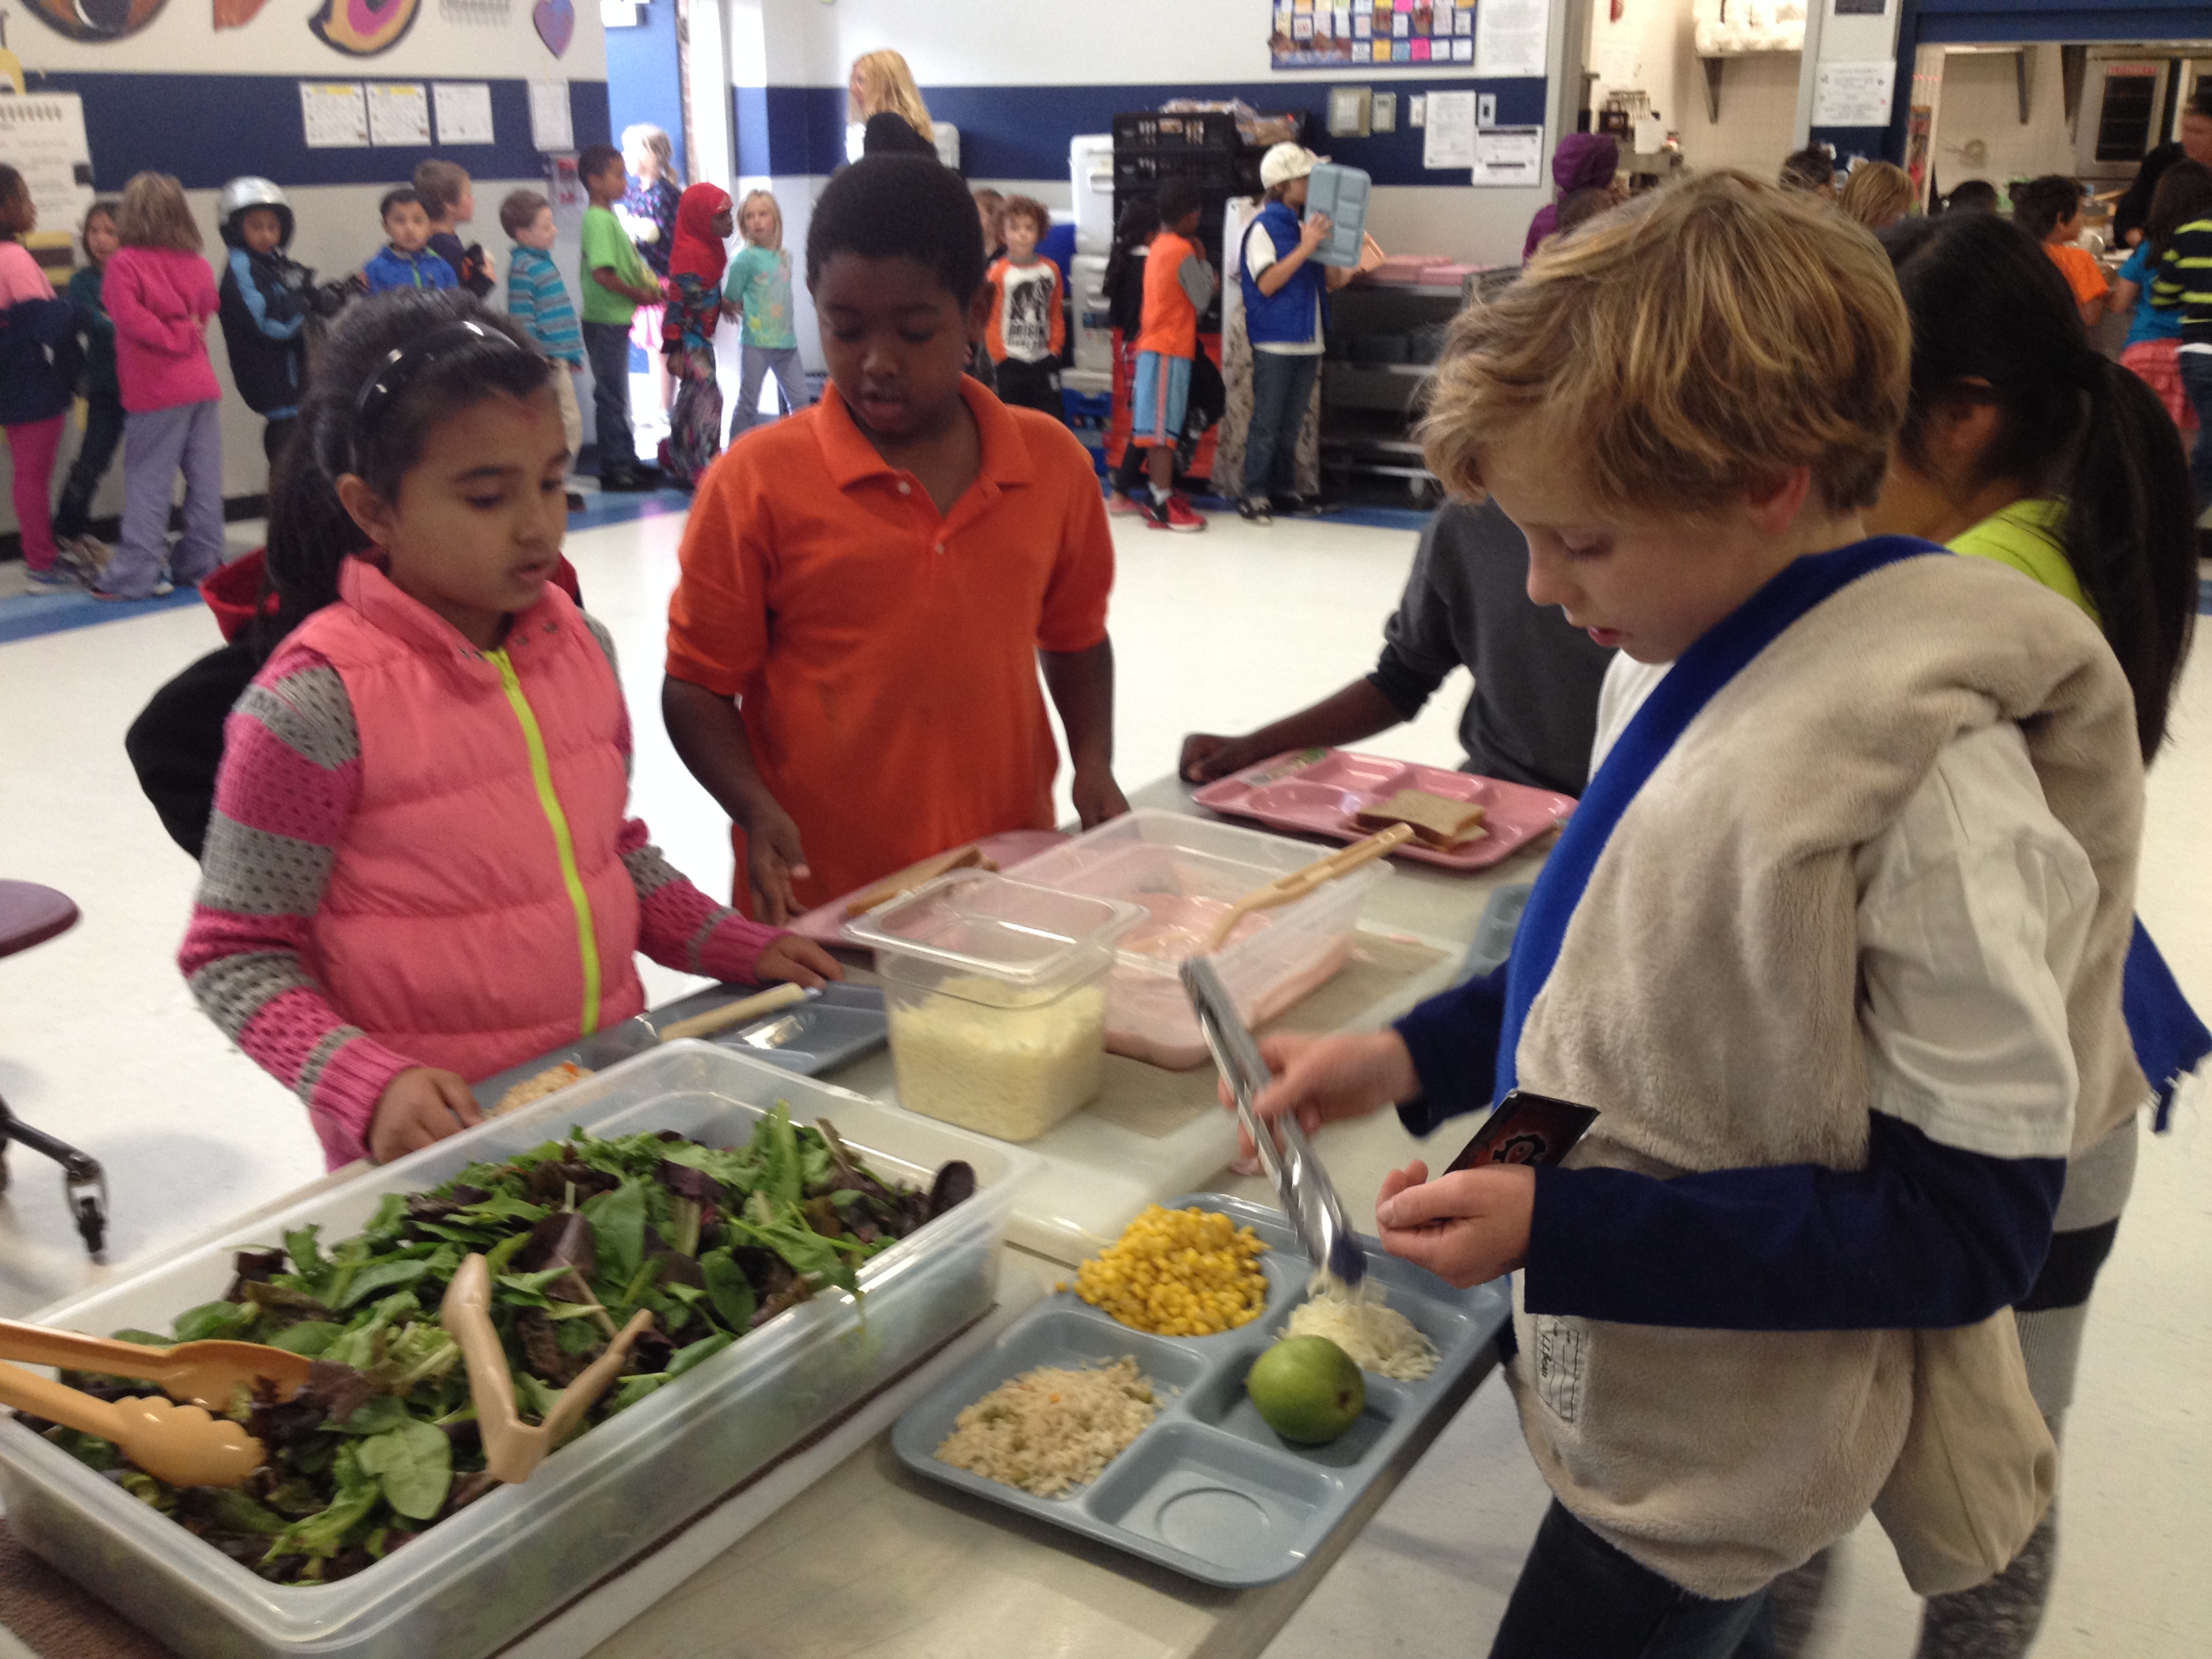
(137, 123)
(642, 82)
(1022, 132)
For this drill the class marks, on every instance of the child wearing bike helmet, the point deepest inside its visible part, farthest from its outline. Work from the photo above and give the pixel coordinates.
(265, 297)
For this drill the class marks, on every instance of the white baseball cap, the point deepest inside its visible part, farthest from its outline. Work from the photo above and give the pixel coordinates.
(1285, 162)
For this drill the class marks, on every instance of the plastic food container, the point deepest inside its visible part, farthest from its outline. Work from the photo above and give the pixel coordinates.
(475, 1581)
(1186, 873)
(997, 995)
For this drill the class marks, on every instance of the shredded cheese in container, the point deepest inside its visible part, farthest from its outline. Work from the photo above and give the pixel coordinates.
(1379, 1338)
(965, 1057)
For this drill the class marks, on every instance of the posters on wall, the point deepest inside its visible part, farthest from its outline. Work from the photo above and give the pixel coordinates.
(1853, 95)
(1331, 33)
(1512, 37)
(463, 110)
(1447, 141)
(1509, 155)
(42, 137)
(335, 114)
(399, 113)
(551, 133)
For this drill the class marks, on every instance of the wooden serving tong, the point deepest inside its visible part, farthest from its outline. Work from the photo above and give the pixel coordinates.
(1297, 884)
(512, 1448)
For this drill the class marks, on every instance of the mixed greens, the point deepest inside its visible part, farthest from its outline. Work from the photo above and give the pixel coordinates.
(578, 1234)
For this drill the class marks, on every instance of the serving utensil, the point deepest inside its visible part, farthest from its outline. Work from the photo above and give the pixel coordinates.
(1297, 884)
(199, 1373)
(1308, 1196)
(733, 1013)
(512, 1448)
(180, 1444)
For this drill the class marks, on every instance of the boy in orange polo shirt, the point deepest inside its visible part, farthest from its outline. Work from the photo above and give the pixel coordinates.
(870, 587)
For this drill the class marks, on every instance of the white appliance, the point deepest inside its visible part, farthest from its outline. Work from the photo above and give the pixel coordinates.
(1094, 335)
(1090, 175)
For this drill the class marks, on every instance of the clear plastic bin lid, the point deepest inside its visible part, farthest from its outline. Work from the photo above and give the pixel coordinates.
(984, 923)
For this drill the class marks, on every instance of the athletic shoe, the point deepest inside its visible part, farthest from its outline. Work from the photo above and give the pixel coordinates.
(1254, 510)
(1174, 515)
(628, 484)
(55, 575)
(85, 555)
(1119, 505)
(1300, 506)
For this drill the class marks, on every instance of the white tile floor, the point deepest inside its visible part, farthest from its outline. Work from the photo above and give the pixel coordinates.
(99, 1042)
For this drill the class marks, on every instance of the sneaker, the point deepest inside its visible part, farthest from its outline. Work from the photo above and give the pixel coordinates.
(1253, 510)
(1174, 515)
(55, 575)
(162, 588)
(1300, 506)
(627, 483)
(86, 555)
(1119, 505)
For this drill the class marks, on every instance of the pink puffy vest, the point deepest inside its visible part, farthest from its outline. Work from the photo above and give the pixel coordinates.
(478, 913)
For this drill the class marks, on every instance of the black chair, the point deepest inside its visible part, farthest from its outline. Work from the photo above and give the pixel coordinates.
(31, 914)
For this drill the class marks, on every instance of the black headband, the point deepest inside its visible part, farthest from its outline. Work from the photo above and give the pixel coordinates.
(403, 364)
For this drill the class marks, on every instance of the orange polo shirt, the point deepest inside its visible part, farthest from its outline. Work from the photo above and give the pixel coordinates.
(1170, 321)
(884, 657)
(2081, 270)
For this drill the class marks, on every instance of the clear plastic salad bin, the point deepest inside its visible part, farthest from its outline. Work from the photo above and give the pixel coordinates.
(1186, 873)
(475, 1580)
(997, 995)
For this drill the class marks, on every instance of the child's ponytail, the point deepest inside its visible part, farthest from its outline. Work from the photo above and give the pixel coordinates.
(310, 535)
(1993, 321)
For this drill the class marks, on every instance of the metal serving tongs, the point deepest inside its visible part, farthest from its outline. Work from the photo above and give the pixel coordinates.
(1307, 1197)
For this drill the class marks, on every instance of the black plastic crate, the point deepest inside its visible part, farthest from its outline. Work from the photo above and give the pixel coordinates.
(1150, 130)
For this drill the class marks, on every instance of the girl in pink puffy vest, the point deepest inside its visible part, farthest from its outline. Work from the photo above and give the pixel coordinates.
(419, 871)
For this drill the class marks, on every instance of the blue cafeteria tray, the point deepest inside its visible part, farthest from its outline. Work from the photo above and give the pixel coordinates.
(1209, 1489)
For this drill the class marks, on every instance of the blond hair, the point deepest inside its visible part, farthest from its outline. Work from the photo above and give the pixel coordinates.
(773, 207)
(1687, 348)
(1876, 194)
(442, 185)
(656, 143)
(890, 88)
(154, 214)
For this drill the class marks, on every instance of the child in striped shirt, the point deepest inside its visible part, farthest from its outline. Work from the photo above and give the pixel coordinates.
(537, 299)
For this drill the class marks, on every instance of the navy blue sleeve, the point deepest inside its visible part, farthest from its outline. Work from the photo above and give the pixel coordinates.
(1453, 1039)
(1925, 1236)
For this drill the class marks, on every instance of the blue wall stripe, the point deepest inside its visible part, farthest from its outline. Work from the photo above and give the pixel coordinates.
(171, 124)
(1023, 132)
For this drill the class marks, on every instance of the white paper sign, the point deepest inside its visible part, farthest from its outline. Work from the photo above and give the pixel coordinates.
(334, 114)
(399, 113)
(463, 112)
(1510, 37)
(1509, 155)
(1450, 140)
(550, 131)
(42, 137)
(1853, 95)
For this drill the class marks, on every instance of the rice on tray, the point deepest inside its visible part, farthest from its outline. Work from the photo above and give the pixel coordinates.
(1051, 1429)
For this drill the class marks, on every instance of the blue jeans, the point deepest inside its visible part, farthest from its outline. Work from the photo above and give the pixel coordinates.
(607, 345)
(1579, 1595)
(1282, 386)
(2197, 378)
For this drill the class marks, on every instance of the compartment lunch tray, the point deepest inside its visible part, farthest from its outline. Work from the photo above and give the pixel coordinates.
(1208, 1488)
(1318, 790)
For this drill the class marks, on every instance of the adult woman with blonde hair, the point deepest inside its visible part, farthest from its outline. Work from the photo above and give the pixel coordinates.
(882, 99)
(1877, 194)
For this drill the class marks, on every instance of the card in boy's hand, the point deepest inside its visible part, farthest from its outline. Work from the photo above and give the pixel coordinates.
(1526, 1129)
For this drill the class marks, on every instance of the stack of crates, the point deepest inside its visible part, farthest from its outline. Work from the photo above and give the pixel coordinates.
(1090, 414)
(1206, 148)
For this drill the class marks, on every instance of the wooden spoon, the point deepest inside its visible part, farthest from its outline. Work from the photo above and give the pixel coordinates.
(512, 1448)
(180, 1444)
(734, 1014)
(201, 1373)
(1299, 882)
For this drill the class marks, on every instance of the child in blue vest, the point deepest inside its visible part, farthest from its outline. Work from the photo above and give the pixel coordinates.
(1284, 310)
(1834, 943)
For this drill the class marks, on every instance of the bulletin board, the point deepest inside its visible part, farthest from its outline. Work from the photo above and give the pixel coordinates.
(42, 137)
(1333, 34)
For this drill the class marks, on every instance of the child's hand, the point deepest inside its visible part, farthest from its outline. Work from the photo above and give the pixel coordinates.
(423, 1104)
(1207, 756)
(1314, 231)
(773, 860)
(801, 961)
(1096, 796)
(1323, 1078)
(1466, 1228)
(730, 312)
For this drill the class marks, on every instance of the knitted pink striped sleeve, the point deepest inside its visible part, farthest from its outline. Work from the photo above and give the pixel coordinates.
(290, 781)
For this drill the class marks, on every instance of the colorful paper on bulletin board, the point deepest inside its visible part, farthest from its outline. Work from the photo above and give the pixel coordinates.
(237, 14)
(1317, 34)
(80, 21)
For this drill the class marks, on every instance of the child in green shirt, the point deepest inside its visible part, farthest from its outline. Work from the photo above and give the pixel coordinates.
(759, 289)
(616, 283)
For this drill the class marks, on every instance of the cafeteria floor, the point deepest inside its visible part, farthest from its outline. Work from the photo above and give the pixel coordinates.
(99, 1042)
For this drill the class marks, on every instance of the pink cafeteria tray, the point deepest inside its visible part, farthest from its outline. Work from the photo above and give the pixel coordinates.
(1318, 790)
(825, 924)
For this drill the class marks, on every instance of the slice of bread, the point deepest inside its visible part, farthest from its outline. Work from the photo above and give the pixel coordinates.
(1437, 821)
(900, 882)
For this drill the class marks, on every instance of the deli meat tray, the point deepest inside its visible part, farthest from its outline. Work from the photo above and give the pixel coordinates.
(1318, 791)
(825, 923)
(475, 1580)
(1208, 1488)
